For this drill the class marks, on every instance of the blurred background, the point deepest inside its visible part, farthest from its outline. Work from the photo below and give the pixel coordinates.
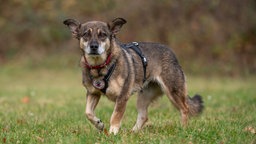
(208, 36)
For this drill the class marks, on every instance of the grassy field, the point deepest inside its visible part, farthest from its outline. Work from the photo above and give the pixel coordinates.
(46, 105)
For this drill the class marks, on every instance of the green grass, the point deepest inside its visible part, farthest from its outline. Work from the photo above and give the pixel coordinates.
(55, 110)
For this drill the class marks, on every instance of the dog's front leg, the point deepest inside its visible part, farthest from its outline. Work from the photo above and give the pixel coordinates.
(117, 115)
(91, 103)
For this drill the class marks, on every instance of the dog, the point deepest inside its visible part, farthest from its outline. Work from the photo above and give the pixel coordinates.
(117, 70)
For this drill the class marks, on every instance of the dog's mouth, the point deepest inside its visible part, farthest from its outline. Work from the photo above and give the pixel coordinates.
(93, 50)
(97, 52)
(94, 54)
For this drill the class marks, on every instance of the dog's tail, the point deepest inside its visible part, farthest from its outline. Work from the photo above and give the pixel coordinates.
(195, 105)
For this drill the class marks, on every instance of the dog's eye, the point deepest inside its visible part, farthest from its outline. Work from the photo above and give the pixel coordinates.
(86, 36)
(102, 35)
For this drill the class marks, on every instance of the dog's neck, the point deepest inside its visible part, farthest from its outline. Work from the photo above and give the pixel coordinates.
(97, 62)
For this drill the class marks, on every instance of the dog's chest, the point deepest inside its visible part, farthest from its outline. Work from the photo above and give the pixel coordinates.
(115, 88)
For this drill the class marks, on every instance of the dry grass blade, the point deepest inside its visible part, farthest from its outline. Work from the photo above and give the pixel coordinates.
(250, 129)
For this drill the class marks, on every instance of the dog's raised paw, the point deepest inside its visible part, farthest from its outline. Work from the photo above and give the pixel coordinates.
(135, 129)
(100, 125)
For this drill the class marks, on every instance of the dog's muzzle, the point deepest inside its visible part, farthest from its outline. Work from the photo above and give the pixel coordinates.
(94, 48)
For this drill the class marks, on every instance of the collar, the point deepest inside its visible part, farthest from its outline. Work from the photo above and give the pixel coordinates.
(98, 66)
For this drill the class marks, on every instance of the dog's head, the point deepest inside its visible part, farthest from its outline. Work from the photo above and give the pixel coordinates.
(94, 36)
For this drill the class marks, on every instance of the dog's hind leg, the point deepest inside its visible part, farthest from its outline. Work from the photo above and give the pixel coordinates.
(145, 97)
(91, 103)
(176, 92)
(180, 101)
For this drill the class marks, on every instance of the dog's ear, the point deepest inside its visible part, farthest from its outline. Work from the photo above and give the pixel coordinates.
(74, 26)
(116, 24)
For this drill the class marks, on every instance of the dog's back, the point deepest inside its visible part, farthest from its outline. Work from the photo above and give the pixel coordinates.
(161, 61)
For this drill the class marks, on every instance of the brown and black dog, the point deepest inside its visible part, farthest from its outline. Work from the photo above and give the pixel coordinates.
(109, 69)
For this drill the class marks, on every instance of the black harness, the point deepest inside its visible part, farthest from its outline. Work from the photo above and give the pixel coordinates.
(106, 77)
(135, 47)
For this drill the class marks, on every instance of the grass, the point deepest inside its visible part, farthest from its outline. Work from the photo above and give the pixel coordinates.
(46, 105)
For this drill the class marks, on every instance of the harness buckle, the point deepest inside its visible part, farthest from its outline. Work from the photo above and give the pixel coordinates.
(135, 43)
(145, 62)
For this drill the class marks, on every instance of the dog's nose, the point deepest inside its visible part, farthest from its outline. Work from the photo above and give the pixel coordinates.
(94, 46)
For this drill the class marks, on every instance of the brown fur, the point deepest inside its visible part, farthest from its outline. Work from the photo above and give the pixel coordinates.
(164, 74)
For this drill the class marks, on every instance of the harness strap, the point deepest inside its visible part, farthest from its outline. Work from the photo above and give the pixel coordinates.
(135, 47)
(106, 77)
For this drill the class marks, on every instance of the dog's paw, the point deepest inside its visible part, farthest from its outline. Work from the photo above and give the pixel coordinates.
(99, 125)
(135, 129)
(113, 130)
